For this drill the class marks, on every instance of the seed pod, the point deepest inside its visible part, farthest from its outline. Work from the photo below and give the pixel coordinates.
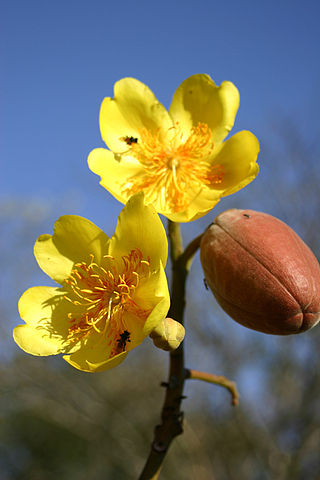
(261, 272)
(168, 335)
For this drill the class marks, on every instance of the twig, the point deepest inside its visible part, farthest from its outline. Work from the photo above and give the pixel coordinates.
(217, 380)
(190, 250)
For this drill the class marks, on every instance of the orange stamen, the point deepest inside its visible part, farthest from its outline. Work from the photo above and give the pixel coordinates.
(175, 170)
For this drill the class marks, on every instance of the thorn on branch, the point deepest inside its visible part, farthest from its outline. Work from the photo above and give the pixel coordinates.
(164, 384)
(173, 383)
(181, 397)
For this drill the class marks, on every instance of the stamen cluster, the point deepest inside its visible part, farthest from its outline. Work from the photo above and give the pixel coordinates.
(174, 167)
(104, 295)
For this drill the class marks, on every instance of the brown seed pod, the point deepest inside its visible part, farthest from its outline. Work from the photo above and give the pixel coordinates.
(261, 272)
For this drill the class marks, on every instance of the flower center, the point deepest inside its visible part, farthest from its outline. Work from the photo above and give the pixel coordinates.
(175, 169)
(103, 296)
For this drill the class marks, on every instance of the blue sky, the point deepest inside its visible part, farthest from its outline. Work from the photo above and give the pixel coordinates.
(59, 59)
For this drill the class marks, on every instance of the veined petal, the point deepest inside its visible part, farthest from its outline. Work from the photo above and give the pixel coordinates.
(114, 174)
(139, 226)
(199, 100)
(133, 108)
(74, 239)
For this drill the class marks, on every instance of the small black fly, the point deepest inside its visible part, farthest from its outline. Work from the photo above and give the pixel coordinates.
(123, 340)
(129, 140)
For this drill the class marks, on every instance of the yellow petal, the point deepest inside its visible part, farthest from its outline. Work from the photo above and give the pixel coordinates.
(159, 288)
(114, 174)
(134, 325)
(45, 310)
(140, 227)
(81, 363)
(133, 108)
(199, 99)
(37, 305)
(152, 289)
(36, 341)
(237, 156)
(94, 356)
(74, 239)
(199, 206)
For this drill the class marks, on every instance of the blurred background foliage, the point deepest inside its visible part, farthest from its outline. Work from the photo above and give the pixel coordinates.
(57, 422)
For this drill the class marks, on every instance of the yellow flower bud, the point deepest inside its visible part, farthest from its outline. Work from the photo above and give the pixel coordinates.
(168, 334)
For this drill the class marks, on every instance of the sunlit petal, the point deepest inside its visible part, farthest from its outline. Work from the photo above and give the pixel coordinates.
(57, 254)
(140, 227)
(132, 108)
(199, 100)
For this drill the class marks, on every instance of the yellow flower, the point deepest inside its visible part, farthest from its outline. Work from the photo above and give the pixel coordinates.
(114, 291)
(177, 158)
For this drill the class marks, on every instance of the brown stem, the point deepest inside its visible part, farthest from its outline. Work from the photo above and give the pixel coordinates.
(172, 416)
(217, 380)
(190, 250)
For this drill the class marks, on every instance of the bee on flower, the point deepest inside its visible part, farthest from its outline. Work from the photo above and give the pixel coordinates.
(178, 158)
(113, 291)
